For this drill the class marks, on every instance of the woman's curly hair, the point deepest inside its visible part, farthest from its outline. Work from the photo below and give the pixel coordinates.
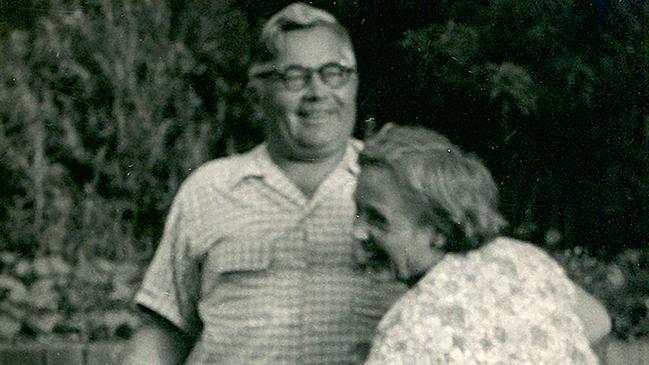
(458, 195)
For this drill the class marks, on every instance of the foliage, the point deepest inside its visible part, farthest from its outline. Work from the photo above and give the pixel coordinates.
(623, 285)
(539, 89)
(48, 299)
(102, 118)
(105, 108)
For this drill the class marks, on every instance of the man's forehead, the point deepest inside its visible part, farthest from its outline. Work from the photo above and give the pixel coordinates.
(318, 45)
(309, 47)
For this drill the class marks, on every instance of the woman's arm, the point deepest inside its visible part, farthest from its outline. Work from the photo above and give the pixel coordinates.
(593, 315)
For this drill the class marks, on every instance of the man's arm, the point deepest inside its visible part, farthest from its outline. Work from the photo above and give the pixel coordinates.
(593, 315)
(157, 342)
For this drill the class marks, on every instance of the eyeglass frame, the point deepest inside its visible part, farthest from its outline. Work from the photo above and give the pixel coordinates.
(307, 77)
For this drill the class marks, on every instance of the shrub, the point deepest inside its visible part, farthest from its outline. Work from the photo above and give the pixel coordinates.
(105, 107)
(104, 112)
(622, 285)
(47, 299)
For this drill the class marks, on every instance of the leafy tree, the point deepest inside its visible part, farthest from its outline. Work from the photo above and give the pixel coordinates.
(106, 107)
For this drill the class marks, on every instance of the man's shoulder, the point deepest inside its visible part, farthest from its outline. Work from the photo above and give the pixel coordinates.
(220, 173)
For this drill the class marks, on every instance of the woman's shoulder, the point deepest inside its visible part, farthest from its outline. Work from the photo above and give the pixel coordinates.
(508, 245)
(504, 259)
(498, 253)
(529, 262)
(520, 252)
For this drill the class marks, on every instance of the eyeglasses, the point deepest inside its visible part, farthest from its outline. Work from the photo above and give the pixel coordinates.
(295, 78)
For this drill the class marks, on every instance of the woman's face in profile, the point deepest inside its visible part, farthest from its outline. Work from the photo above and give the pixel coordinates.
(387, 225)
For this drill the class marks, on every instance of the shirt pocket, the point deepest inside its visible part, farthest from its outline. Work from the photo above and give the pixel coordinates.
(236, 282)
(234, 266)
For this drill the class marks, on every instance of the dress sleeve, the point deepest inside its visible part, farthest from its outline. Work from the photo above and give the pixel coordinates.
(171, 284)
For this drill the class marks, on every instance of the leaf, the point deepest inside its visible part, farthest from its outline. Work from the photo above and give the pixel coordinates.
(45, 323)
(9, 327)
(459, 42)
(122, 291)
(17, 290)
(123, 317)
(24, 268)
(513, 82)
(128, 272)
(43, 294)
(8, 258)
(51, 265)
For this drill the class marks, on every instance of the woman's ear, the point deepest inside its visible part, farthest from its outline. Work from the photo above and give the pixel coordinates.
(438, 240)
(433, 236)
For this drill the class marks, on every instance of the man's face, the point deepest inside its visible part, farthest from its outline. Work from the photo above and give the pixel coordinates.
(388, 229)
(316, 121)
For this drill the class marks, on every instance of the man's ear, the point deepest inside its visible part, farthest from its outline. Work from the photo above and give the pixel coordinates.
(253, 91)
(253, 95)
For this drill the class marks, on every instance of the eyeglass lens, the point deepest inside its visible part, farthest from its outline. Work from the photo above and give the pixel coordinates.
(332, 74)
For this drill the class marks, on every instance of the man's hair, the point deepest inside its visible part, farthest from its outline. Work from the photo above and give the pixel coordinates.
(296, 16)
(454, 191)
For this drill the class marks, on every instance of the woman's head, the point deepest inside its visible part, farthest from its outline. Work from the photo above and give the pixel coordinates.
(419, 196)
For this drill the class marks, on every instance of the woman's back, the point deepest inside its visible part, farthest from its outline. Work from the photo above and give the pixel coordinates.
(505, 303)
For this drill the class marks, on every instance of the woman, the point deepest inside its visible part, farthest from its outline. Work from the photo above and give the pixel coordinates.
(429, 212)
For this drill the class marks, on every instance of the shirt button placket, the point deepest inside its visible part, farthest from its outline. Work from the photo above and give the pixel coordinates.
(305, 279)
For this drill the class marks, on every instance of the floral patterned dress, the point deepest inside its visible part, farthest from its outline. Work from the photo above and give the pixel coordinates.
(506, 303)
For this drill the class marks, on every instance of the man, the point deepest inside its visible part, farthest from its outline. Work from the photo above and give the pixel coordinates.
(256, 263)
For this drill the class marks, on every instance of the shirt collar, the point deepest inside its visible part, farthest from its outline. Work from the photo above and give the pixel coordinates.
(350, 159)
(258, 163)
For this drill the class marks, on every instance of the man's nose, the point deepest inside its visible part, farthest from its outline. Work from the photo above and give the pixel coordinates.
(360, 232)
(316, 88)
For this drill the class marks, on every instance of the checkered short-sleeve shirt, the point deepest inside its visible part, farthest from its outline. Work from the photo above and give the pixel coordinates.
(262, 274)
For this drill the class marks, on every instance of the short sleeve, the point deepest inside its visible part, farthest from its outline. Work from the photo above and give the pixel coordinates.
(171, 287)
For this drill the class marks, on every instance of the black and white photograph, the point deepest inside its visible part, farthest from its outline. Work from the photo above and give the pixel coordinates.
(345, 182)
